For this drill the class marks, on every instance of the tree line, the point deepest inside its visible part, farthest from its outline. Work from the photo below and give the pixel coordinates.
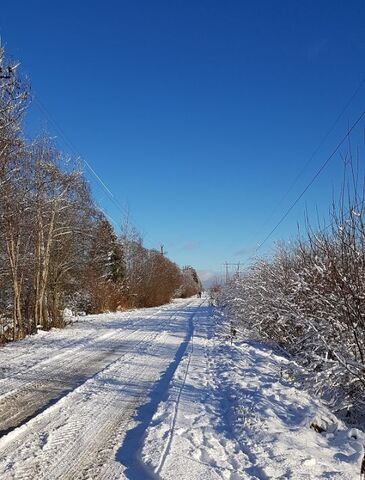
(309, 297)
(57, 249)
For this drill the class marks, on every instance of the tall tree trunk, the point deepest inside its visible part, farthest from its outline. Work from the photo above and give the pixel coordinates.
(44, 256)
(13, 255)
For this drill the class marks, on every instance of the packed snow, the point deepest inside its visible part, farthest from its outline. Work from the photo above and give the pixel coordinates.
(233, 413)
(162, 393)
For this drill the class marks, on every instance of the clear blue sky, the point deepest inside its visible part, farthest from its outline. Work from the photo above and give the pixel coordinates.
(196, 114)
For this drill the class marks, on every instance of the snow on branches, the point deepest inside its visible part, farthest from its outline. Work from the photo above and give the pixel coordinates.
(309, 298)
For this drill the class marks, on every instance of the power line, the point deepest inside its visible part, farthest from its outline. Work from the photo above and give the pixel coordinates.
(319, 171)
(108, 216)
(314, 153)
(88, 165)
(316, 150)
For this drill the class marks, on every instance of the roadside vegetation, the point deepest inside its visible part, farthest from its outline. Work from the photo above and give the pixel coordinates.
(57, 248)
(309, 297)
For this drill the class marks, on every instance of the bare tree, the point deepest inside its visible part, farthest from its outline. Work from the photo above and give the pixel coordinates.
(14, 190)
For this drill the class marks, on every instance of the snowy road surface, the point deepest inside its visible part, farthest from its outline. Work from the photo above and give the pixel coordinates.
(155, 393)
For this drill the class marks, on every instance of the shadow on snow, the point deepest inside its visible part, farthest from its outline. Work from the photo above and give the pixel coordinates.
(129, 453)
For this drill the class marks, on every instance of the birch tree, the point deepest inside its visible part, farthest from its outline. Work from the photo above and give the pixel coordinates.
(14, 190)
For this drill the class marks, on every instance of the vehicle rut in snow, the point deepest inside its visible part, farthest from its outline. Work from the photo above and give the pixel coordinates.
(35, 389)
(78, 436)
(128, 454)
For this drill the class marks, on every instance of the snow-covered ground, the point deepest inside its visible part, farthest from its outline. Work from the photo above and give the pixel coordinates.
(156, 393)
(233, 413)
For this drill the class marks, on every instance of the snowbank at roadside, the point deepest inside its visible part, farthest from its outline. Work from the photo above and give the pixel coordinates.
(233, 413)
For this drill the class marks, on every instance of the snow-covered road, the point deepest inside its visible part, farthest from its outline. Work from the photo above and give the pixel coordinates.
(156, 393)
(74, 392)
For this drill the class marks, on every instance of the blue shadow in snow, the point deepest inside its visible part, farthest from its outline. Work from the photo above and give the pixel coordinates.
(129, 453)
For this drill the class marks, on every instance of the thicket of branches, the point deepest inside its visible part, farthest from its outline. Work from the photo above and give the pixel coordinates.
(309, 297)
(57, 249)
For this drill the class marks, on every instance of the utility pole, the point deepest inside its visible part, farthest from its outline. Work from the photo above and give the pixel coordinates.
(237, 267)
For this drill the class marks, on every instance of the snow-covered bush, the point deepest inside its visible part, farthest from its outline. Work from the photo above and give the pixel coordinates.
(309, 297)
(190, 283)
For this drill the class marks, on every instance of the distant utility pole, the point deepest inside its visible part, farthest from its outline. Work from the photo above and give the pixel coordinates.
(229, 266)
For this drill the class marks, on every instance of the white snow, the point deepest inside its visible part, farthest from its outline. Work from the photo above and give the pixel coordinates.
(157, 393)
(232, 413)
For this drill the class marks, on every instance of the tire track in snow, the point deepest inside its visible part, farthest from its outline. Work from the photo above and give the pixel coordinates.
(45, 383)
(112, 414)
(84, 335)
(27, 360)
(114, 419)
(71, 449)
(176, 406)
(62, 351)
(129, 452)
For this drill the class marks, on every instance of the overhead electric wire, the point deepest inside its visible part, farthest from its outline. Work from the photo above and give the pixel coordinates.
(319, 171)
(75, 151)
(316, 150)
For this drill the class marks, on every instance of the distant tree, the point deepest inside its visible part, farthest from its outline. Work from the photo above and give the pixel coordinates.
(190, 282)
(106, 268)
